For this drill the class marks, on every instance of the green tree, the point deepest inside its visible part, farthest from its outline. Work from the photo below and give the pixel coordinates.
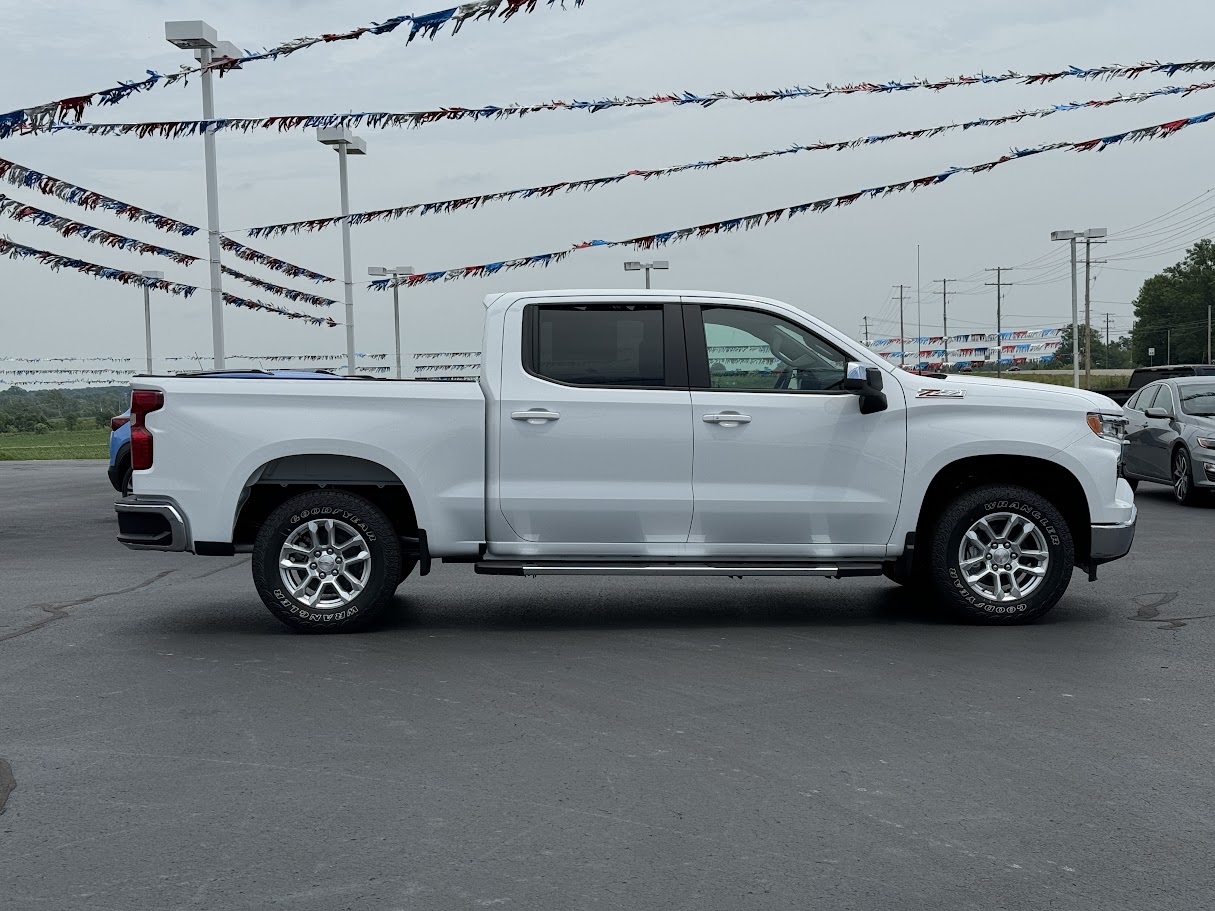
(1171, 309)
(70, 421)
(1117, 356)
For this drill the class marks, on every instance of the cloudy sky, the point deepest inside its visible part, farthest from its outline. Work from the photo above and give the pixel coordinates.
(839, 266)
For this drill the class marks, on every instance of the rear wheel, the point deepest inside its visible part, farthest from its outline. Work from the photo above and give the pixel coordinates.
(1001, 555)
(127, 481)
(327, 561)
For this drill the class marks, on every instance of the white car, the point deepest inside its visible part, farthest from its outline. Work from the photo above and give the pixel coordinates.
(636, 433)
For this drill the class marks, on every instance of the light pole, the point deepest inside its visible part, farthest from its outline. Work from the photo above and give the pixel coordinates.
(195, 35)
(660, 264)
(345, 143)
(396, 273)
(147, 313)
(1072, 237)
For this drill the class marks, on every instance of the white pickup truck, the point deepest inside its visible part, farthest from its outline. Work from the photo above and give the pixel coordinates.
(636, 433)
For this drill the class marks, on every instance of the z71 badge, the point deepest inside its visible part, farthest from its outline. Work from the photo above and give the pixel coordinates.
(941, 394)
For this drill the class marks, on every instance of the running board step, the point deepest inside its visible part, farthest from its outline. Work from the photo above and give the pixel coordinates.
(586, 568)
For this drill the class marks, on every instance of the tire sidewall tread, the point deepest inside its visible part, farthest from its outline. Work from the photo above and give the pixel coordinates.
(957, 518)
(386, 568)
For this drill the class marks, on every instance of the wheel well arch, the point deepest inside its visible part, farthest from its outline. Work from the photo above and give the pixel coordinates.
(1050, 479)
(278, 480)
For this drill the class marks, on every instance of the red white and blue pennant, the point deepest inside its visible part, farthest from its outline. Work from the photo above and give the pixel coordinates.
(448, 206)
(763, 219)
(56, 261)
(39, 117)
(179, 129)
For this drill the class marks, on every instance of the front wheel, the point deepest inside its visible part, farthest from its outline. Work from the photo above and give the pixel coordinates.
(1183, 485)
(326, 561)
(1001, 555)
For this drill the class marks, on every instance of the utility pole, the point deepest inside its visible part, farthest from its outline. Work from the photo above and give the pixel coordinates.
(999, 284)
(1208, 333)
(919, 308)
(866, 331)
(1108, 360)
(1088, 329)
(1168, 351)
(945, 313)
(903, 333)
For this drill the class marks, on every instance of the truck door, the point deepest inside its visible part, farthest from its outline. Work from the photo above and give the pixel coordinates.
(786, 464)
(594, 432)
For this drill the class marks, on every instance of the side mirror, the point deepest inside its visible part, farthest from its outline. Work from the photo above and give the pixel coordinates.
(1158, 414)
(866, 383)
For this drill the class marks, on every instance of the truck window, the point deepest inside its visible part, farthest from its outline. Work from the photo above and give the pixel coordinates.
(757, 351)
(599, 345)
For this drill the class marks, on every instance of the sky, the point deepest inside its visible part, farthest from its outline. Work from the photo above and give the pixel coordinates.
(839, 266)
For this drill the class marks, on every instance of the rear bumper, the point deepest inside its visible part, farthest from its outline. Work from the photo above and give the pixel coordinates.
(1112, 542)
(152, 524)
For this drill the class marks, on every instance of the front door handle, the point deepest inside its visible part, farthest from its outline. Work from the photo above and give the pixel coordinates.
(536, 416)
(727, 419)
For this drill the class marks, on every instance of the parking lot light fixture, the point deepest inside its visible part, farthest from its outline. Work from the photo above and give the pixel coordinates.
(634, 266)
(396, 272)
(199, 37)
(345, 143)
(147, 313)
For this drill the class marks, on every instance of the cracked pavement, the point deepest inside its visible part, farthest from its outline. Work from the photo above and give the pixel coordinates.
(584, 743)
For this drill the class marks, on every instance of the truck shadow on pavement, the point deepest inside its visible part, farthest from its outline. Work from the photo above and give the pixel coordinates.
(529, 608)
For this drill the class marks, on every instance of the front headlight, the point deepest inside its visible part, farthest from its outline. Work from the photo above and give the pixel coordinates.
(1206, 442)
(1107, 426)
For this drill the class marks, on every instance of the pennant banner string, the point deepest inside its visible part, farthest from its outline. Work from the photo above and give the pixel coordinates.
(179, 129)
(290, 293)
(19, 211)
(763, 219)
(56, 262)
(39, 117)
(472, 202)
(21, 176)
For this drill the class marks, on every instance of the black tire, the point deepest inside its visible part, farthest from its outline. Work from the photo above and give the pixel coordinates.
(1184, 491)
(127, 481)
(975, 602)
(380, 573)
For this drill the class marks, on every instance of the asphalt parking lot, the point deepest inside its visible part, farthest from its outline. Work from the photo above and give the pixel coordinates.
(579, 744)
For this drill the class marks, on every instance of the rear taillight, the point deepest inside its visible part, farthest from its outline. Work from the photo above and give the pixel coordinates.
(116, 423)
(143, 403)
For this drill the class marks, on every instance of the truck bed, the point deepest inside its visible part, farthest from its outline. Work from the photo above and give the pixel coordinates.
(216, 436)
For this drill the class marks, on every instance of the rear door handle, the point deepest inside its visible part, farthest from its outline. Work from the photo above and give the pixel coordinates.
(728, 419)
(536, 416)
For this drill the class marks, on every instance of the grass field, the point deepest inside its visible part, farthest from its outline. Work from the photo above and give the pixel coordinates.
(1099, 381)
(57, 444)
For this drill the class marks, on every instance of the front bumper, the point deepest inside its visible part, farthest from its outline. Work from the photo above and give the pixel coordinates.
(152, 524)
(1112, 542)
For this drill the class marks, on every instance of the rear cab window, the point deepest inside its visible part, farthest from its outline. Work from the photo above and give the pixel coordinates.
(633, 346)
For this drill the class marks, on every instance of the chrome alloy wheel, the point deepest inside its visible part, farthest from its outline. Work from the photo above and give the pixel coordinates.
(325, 563)
(1003, 557)
(1181, 476)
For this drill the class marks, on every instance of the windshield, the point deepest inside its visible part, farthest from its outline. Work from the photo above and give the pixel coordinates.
(1198, 399)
